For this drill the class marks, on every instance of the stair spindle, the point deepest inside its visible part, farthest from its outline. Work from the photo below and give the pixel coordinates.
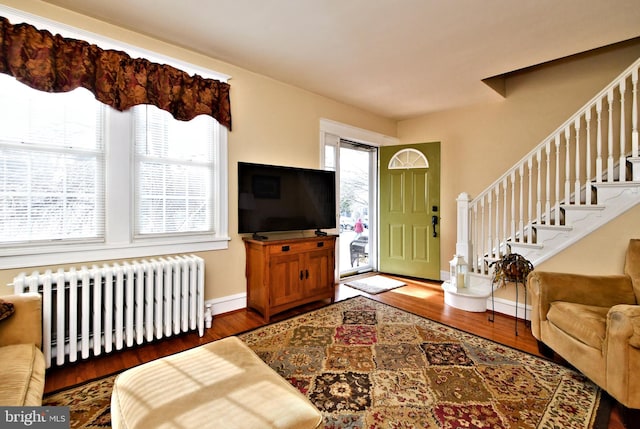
(577, 186)
(588, 193)
(567, 166)
(530, 201)
(483, 249)
(497, 231)
(513, 206)
(489, 224)
(539, 187)
(610, 137)
(547, 205)
(521, 211)
(474, 239)
(557, 179)
(505, 230)
(634, 115)
(623, 139)
(599, 141)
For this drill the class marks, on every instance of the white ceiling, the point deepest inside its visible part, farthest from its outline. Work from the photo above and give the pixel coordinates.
(395, 58)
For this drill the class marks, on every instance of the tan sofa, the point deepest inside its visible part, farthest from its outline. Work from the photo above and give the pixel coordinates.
(593, 322)
(23, 367)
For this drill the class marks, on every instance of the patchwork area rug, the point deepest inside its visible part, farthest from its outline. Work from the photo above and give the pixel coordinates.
(365, 364)
(89, 404)
(375, 284)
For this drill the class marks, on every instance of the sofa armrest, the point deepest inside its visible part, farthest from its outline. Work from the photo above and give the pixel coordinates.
(601, 291)
(24, 326)
(547, 287)
(622, 354)
(623, 323)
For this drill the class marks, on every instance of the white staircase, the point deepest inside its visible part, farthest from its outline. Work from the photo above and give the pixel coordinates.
(583, 175)
(579, 220)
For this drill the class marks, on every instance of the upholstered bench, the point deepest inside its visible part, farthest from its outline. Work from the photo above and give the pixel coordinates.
(223, 384)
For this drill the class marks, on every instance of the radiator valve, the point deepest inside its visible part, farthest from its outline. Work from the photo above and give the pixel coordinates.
(208, 316)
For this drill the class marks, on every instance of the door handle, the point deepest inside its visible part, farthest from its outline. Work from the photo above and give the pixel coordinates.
(434, 222)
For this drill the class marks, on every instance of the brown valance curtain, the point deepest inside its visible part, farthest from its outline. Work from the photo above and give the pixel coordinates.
(54, 63)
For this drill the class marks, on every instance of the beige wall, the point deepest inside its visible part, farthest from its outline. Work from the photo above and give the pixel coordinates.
(480, 143)
(272, 123)
(277, 123)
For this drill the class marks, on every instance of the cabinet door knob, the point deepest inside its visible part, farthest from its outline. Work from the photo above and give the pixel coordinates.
(301, 275)
(285, 248)
(320, 243)
(306, 273)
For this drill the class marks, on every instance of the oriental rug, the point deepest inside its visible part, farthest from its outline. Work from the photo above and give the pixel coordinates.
(365, 364)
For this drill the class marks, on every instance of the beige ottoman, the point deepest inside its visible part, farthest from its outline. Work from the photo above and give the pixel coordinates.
(223, 384)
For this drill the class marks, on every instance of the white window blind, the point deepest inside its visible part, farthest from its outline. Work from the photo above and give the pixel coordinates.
(174, 163)
(51, 165)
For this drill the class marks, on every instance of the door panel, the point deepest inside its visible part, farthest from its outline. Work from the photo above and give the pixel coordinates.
(420, 239)
(420, 195)
(396, 195)
(409, 197)
(396, 242)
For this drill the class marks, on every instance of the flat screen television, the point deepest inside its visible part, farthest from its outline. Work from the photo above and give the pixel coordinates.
(275, 198)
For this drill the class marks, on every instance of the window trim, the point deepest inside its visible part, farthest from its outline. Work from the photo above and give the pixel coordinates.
(119, 239)
(119, 242)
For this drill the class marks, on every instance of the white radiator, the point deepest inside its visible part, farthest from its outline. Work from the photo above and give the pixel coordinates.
(96, 309)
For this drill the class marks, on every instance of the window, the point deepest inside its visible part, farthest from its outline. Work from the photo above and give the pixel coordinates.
(80, 181)
(51, 166)
(174, 173)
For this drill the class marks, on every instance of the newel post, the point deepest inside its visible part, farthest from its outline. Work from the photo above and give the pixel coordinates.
(463, 241)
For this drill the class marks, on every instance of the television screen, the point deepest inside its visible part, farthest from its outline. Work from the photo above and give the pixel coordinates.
(276, 198)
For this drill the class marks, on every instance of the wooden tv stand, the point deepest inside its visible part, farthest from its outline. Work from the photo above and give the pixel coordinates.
(285, 273)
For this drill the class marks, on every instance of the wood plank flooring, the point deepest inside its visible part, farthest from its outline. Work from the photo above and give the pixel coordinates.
(424, 298)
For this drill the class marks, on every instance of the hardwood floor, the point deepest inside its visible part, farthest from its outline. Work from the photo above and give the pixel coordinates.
(420, 297)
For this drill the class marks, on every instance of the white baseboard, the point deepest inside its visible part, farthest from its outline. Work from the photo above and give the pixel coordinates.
(238, 301)
(227, 303)
(508, 307)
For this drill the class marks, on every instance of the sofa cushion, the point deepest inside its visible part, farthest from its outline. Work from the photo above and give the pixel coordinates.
(222, 384)
(632, 265)
(585, 323)
(21, 375)
(6, 309)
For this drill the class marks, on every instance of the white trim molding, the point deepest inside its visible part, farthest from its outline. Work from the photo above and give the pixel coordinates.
(228, 303)
(356, 134)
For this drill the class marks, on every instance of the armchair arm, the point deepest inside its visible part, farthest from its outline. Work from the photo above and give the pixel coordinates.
(622, 352)
(25, 325)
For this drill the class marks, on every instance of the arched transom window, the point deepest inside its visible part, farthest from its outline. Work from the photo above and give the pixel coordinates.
(408, 158)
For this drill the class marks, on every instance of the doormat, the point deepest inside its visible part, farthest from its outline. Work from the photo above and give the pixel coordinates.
(375, 285)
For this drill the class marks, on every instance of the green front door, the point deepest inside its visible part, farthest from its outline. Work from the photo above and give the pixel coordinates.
(409, 204)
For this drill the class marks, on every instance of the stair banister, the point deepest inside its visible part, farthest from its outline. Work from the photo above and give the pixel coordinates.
(481, 237)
